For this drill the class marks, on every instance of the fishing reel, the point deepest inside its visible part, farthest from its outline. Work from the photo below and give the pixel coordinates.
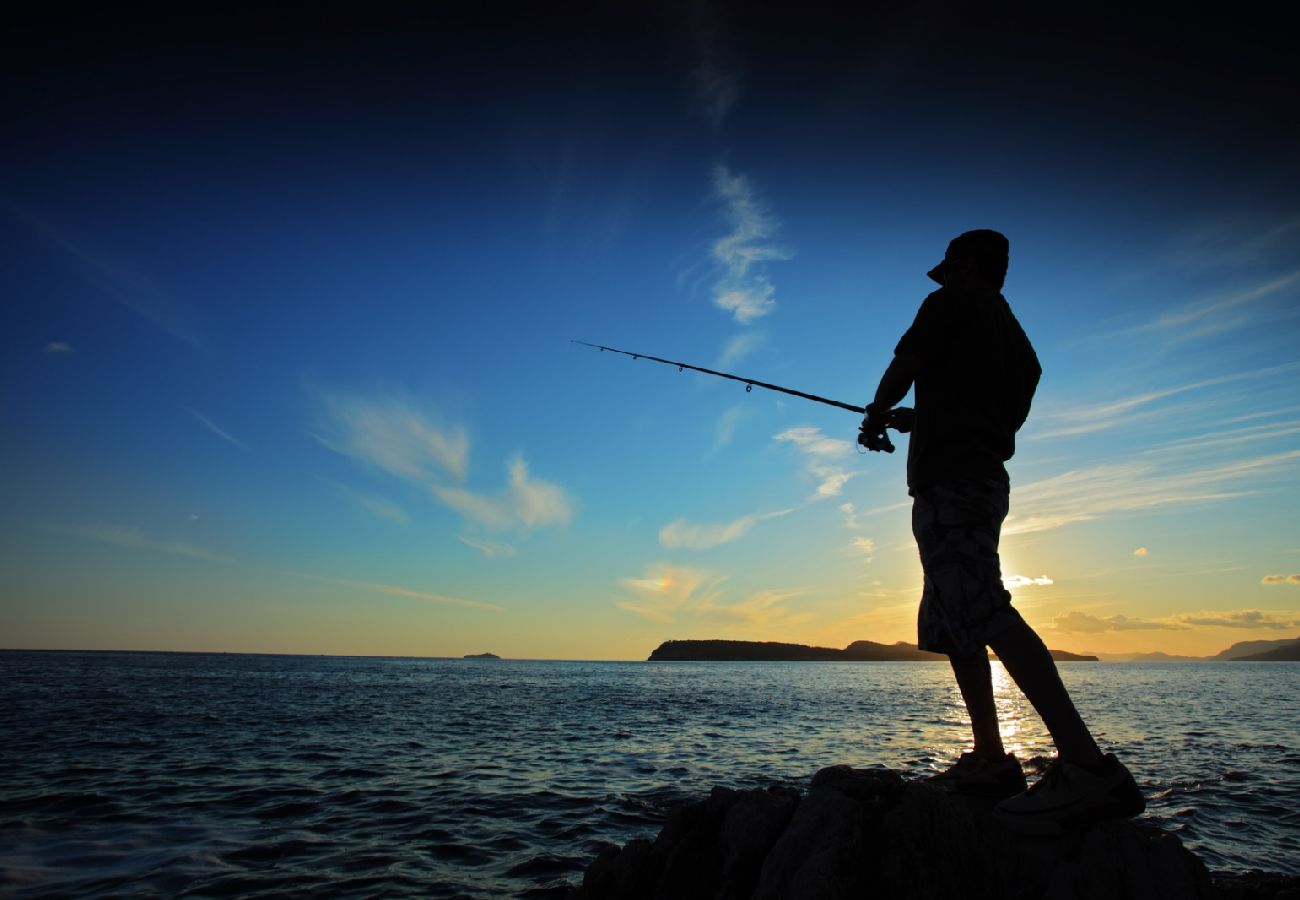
(873, 436)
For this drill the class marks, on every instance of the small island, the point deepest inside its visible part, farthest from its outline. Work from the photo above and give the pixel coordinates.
(481, 656)
(774, 651)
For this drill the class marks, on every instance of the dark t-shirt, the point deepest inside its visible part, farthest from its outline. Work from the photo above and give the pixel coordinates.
(976, 375)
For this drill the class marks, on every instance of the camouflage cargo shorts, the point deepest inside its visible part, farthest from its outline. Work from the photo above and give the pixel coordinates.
(963, 604)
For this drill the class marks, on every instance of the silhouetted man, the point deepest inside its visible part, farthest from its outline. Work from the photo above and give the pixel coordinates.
(975, 374)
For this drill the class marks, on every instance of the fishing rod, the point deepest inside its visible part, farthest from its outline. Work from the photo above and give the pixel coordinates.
(899, 419)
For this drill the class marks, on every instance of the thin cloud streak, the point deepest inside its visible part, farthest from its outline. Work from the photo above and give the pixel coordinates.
(1097, 491)
(216, 429)
(490, 549)
(680, 534)
(130, 289)
(397, 590)
(1122, 411)
(136, 539)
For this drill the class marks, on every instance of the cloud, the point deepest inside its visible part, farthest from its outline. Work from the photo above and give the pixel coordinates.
(129, 288)
(397, 590)
(134, 538)
(57, 347)
(1125, 412)
(738, 348)
(865, 546)
(743, 288)
(1139, 485)
(715, 82)
(1016, 581)
(489, 549)
(680, 534)
(1082, 622)
(1242, 618)
(664, 589)
(1280, 579)
(376, 505)
(716, 91)
(817, 451)
(217, 429)
(850, 515)
(1141, 551)
(668, 593)
(1216, 314)
(526, 503)
(725, 428)
(392, 434)
(759, 610)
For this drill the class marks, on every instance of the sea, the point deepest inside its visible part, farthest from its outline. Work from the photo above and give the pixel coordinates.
(175, 774)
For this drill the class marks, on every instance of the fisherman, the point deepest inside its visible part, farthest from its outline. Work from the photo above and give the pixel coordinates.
(975, 374)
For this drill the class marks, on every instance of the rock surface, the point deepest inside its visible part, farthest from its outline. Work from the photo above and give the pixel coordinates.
(862, 833)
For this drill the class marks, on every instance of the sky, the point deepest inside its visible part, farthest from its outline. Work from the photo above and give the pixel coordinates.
(289, 303)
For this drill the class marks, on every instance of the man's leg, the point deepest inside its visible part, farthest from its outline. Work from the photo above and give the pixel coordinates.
(975, 680)
(1031, 666)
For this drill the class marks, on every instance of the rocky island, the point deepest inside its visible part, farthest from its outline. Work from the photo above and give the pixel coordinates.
(481, 656)
(860, 833)
(772, 651)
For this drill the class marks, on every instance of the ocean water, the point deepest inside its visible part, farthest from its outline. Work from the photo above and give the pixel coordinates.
(172, 774)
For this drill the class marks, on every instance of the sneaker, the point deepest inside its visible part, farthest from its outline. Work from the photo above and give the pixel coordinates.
(1070, 796)
(978, 776)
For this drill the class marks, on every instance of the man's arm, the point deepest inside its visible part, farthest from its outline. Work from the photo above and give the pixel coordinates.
(894, 385)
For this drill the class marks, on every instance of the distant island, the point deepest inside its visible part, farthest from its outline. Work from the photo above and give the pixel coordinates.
(481, 656)
(773, 651)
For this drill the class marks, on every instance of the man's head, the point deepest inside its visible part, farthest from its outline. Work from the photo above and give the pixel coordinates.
(974, 259)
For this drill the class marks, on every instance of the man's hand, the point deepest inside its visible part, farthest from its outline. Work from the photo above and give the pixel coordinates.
(872, 433)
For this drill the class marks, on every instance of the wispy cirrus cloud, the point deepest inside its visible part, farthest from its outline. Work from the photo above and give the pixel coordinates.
(1137, 485)
(216, 429)
(669, 593)
(820, 454)
(136, 539)
(112, 278)
(489, 549)
(738, 347)
(397, 590)
(863, 546)
(743, 287)
(715, 79)
(1222, 312)
(725, 428)
(377, 505)
(525, 503)
(664, 589)
(57, 347)
(680, 534)
(1126, 411)
(395, 436)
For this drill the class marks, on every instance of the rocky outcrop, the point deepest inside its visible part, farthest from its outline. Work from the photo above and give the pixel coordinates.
(862, 833)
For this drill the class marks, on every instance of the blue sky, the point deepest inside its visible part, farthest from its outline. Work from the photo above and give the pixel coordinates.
(287, 359)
